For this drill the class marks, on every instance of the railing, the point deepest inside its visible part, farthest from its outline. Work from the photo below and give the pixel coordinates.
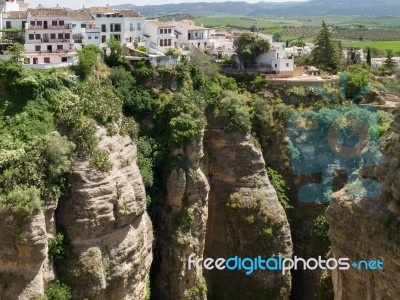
(93, 30)
(56, 40)
(68, 26)
(70, 51)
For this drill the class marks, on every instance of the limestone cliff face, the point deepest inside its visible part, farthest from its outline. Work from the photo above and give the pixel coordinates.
(183, 220)
(362, 228)
(105, 219)
(245, 218)
(25, 270)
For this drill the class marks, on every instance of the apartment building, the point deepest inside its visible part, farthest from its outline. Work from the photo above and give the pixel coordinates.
(125, 25)
(84, 28)
(48, 37)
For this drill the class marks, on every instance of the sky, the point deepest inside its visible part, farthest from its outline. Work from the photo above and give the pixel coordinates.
(87, 3)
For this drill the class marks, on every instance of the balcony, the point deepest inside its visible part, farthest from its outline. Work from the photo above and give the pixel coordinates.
(36, 27)
(42, 41)
(93, 30)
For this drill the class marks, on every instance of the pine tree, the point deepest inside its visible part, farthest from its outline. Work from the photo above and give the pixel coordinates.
(326, 54)
(369, 56)
(389, 62)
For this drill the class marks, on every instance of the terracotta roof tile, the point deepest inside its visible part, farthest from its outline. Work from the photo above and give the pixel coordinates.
(16, 15)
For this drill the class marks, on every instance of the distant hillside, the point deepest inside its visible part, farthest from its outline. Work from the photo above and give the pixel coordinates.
(308, 8)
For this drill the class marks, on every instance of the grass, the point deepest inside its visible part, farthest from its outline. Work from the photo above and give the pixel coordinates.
(383, 45)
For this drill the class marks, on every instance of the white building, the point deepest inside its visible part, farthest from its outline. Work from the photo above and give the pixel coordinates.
(84, 28)
(160, 36)
(48, 38)
(187, 33)
(125, 25)
(277, 59)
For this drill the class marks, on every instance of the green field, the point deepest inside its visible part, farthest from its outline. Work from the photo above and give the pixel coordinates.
(383, 45)
(354, 31)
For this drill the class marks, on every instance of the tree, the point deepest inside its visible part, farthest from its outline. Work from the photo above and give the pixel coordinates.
(277, 37)
(115, 58)
(249, 46)
(369, 56)
(358, 79)
(326, 54)
(389, 62)
(87, 59)
(298, 43)
(253, 28)
(15, 51)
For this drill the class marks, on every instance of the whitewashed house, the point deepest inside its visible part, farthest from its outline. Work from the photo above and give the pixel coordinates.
(187, 33)
(125, 25)
(84, 28)
(277, 59)
(48, 38)
(160, 36)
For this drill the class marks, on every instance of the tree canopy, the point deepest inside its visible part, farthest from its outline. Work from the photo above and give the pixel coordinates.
(326, 54)
(249, 46)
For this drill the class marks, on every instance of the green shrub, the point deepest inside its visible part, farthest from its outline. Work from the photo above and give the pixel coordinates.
(58, 247)
(279, 185)
(22, 200)
(142, 48)
(233, 114)
(57, 291)
(129, 127)
(88, 58)
(99, 160)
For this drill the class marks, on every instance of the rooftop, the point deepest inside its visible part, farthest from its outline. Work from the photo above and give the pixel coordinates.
(48, 12)
(160, 23)
(16, 15)
(189, 25)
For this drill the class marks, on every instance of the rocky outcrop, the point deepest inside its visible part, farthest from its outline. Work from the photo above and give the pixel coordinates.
(183, 218)
(364, 228)
(245, 218)
(25, 270)
(106, 221)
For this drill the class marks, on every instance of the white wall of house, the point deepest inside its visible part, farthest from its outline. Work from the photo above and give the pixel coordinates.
(48, 40)
(282, 65)
(126, 30)
(160, 35)
(268, 57)
(13, 23)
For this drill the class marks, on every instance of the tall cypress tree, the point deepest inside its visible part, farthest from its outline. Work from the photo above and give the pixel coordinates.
(369, 56)
(326, 54)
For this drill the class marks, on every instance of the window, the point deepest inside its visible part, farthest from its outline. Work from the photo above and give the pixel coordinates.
(64, 59)
(37, 36)
(74, 25)
(67, 36)
(276, 65)
(115, 28)
(83, 25)
(131, 27)
(27, 61)
(98, 16)
(287, 65)
(60, 36)
(53, 36)
(32, 23)
(96, 37)
(139, 26)
(47, 60)
(35, 60)
(161, 31)
(169, 42)
(37, 48)
(103, 28)
(169, 30)
(89, 37)
(162, 43)
(8, 24)
(59, 47)
(61, 23)
(54, 23)
(39, 23)
(31, 36)
(23, 24)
